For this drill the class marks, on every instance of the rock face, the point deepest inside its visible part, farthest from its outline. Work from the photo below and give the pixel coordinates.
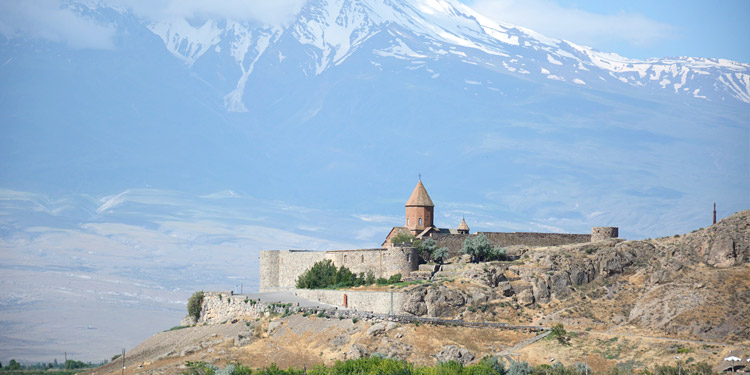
(454, 353)
(436, 301)
(650, 283)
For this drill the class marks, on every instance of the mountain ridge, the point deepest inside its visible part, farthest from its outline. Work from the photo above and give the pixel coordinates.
(331, 31)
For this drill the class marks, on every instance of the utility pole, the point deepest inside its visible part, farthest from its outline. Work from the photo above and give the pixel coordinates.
(714, 212)
(123, 361)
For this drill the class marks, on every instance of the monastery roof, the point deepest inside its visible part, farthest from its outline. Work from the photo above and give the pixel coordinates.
(463, 225)
(419, 197)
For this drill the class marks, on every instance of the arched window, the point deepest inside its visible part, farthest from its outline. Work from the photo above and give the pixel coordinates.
(408, 257)
(420, 221)
(363, 259)
(407, 221)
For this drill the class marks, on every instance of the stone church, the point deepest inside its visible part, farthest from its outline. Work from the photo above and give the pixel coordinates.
(279, 269)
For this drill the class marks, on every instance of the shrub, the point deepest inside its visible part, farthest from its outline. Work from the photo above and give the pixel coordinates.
(370, 278)
(439, 254)
(403, 238)
(321, 275)
(494, 364)
(394, 279)
(381, 281)
(195, 305)
(519, 368)
(480, 249)
(558, 332)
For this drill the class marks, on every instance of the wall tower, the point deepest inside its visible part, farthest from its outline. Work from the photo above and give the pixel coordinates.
(419, 210)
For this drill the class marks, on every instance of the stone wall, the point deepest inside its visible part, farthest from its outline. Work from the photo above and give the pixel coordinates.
(604, 233)
(454, 242)
(279, 269)
(375, 302)
(221, 307)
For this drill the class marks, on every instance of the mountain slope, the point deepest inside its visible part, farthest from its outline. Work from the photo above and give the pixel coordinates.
(430, 30)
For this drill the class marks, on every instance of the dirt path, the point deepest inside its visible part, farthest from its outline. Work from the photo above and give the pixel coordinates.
(669, 339)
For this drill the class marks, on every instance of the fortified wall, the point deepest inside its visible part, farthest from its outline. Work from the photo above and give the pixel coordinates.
(279, 269)
(454, 242)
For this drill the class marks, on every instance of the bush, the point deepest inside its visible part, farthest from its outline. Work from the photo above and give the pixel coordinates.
(429, 251)
(520, 368)
(480, 249)
(403, 238)
(394, 279)
(199, 368)
(381, 281)
(439, 255)
(558, 332)
(321, 275)
(195, 305)
(370, 278)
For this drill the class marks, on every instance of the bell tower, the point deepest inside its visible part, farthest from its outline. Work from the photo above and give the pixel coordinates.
(419, 210)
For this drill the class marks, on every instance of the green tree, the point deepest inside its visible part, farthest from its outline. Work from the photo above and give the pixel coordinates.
(520, 368)
(195, 305)
(426, 248)
(199, 368)
(493, 363)
(13, 366)
(479, 247)
(370, 278)
(72, 365)
(558, 332)
(321, 275)
(429, 251)
(440, 254)
(403, 238)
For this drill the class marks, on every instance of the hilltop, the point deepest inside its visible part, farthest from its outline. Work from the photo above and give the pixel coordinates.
(630, 302)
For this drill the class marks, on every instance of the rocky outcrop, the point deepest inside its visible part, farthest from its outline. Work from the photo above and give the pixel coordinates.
(434, 301)
(456, 354)
(554, 274)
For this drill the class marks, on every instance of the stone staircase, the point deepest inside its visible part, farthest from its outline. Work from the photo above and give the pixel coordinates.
(424, 272)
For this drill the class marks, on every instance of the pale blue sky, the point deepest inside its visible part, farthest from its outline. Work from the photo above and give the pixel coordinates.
(636, 28)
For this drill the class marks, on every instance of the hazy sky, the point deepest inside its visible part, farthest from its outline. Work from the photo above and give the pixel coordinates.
(636, 28)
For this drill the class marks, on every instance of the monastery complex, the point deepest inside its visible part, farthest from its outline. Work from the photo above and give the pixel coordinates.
(279, 269)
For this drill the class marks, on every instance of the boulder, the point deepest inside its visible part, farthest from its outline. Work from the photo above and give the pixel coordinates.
(505, 289)
(376, 329)
(414, 302)
(560, 284)
(526, 298)
(540, 288)
(339, 341)
(443, 302)
(721, 253)
(454, 353)
(356, 351)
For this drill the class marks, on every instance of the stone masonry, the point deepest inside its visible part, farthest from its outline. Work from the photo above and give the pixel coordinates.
(603, 233)
(279, 269)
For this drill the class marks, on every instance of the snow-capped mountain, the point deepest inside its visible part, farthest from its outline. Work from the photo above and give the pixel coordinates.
(421, 32)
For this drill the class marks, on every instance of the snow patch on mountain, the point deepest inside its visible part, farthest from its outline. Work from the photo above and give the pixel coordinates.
(331, 31)
(185, 41)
